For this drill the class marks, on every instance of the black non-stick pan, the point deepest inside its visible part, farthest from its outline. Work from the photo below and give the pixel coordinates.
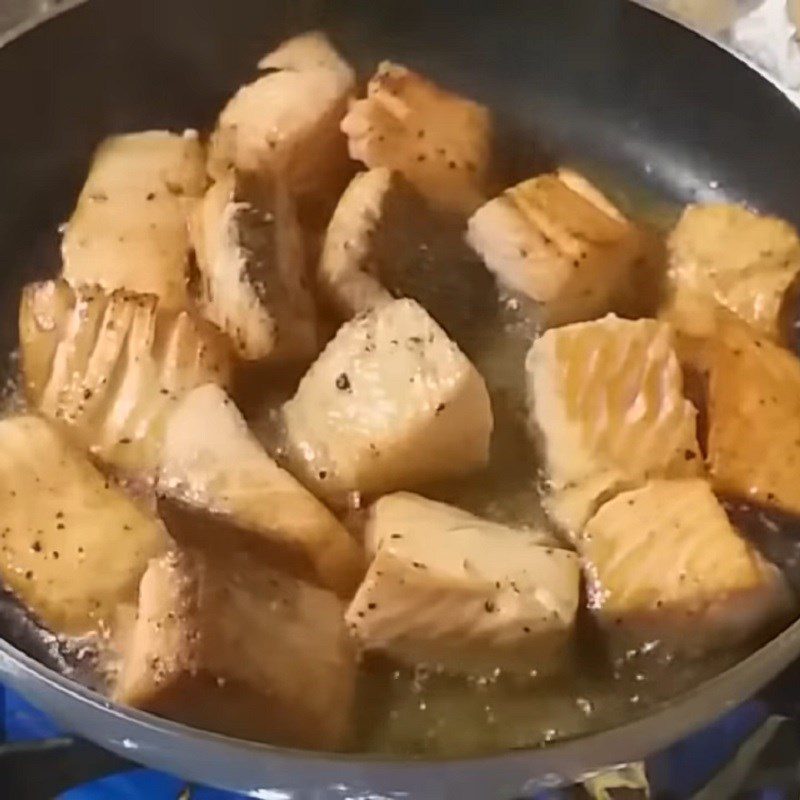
(592, 82)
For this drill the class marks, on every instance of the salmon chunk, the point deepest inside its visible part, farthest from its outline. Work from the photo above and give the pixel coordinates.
(559, 241)
(725, 254)
(108, 367)
(439, 141)
(210, 461)
(753, 416)
(252, 274)
(74, 547)
(232, 647)
(129, 228)
(448, 588)
(607, 408)
(286, 122)
(390, 404)
(663, 564)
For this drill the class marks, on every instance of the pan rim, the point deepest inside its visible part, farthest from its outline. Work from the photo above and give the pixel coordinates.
(36, 19)
(747, 60)
(787, 640)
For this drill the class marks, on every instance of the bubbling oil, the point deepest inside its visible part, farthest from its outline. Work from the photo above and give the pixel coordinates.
(423, 711)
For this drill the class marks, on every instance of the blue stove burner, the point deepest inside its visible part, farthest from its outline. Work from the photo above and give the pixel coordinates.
(38, 761)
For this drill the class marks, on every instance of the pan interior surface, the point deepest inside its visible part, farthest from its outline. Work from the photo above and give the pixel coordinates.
(656, 114)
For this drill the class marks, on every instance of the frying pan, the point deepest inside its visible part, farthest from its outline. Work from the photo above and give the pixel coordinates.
(584, 81)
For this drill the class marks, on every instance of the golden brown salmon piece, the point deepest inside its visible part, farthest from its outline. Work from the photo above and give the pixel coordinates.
(252, 273)
(108, 367)
(448, 588)
(129, 228)
(606, 404)
(229, 646)
(664, 565)
(727, 255)
(391, 403)
(211, 462)
(559, 241)
(74, 547)
(439, 141)
(753, 389)
(286, 122)
(385, 241)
